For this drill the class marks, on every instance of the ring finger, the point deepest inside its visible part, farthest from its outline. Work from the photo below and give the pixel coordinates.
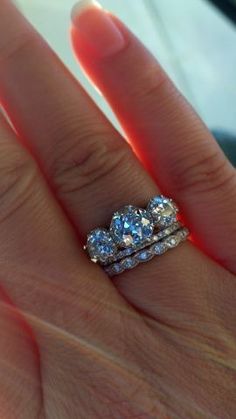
(166, 133)
(84, 158)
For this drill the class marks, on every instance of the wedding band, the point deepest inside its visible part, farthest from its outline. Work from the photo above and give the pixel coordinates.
(147, 254)
(134, 231)
(153, 239)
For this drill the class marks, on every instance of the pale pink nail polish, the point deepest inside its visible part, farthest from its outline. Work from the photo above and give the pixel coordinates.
(97, 27)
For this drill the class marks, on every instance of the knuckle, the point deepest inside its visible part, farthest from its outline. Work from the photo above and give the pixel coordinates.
(156, 92)
(90, 162)
(18, 45)
(158, 88)
(152, 84)
(204, 173)
(18, 173)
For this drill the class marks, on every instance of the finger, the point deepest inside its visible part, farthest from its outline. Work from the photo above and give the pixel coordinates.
(83, 156)
(92, 170)
(42, 268)
(75, 314)
(20, 394)
(164, 130)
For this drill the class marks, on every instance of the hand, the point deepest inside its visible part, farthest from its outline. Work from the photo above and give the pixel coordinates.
(158, 341)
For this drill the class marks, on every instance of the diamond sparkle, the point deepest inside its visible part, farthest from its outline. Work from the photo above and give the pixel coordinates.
(131, 226)
(143, 256)
(100, 245)
(156, 249)
(128, 263)
(163, 210)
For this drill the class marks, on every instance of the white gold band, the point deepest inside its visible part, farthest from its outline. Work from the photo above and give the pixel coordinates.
(153, 239)
(156, 249)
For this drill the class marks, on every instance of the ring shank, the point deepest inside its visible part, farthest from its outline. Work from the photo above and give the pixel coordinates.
(156, 249)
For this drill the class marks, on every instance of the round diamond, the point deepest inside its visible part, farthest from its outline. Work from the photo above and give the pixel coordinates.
(100, 245)
(163, 210)
(131, 226)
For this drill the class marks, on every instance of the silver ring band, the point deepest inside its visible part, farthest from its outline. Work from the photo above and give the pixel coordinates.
(148, 253)
(153, 239)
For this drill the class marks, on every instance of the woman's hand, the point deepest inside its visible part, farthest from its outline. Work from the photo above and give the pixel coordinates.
(159, 341)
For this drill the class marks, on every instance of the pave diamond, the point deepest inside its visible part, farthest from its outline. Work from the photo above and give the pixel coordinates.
(163, 210)
(148, 253)
(127, 252)
(172, 241)
(158, 248)
(117, 268)
(131, 226)
(183, 233)
(143, 256)
(128, 263)
(100, 245)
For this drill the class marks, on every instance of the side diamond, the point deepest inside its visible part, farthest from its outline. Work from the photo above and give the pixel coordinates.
(100, 245)
(163, 210)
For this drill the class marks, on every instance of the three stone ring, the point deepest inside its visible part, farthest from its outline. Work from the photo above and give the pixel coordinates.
(136, 235)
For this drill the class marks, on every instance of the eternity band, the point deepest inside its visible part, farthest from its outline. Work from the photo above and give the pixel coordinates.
(147, 242)
(135, 232)
(147, 254)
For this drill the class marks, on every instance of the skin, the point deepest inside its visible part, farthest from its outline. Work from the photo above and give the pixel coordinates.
(158, 341)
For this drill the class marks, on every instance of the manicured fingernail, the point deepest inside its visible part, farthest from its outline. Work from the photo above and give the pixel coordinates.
(97, 27)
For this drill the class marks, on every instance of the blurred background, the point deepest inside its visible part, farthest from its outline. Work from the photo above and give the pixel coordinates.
(195, 41)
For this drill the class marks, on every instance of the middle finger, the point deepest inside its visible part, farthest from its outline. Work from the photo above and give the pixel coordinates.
(82, 154)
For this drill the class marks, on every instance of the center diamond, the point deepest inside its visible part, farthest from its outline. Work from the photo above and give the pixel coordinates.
(131, 226)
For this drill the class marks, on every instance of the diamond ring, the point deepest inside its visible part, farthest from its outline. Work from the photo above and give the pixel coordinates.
(131, 230)
(153, 239)
(148, 253)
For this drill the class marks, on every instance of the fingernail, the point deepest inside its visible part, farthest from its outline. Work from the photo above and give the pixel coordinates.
(97, 27)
